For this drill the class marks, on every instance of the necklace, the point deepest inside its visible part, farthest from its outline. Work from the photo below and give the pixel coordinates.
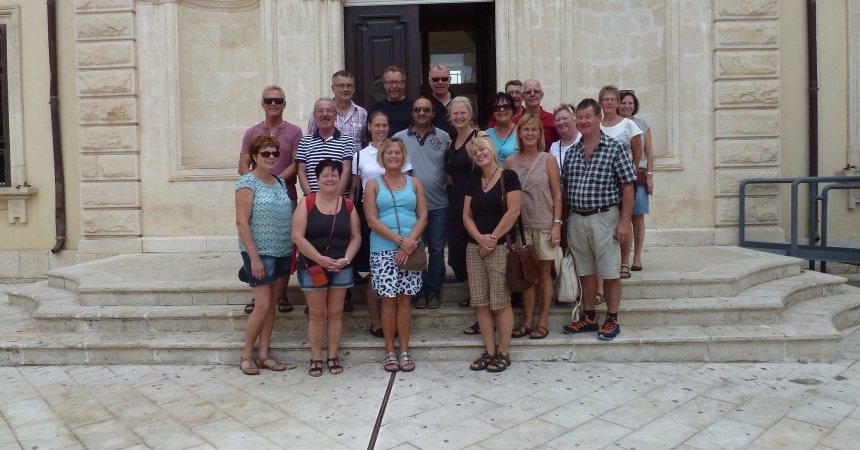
(486, 181)
(399, 186)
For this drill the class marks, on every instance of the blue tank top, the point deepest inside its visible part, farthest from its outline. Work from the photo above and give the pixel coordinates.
(407, 201)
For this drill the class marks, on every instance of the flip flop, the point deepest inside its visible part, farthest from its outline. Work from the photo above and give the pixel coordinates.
(284, 305)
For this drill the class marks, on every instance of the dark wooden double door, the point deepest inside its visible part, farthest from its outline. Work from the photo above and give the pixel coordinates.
(408, 36)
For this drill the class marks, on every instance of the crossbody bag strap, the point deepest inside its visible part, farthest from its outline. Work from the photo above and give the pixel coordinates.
(505, 209)
(330, 233)
(531, 167)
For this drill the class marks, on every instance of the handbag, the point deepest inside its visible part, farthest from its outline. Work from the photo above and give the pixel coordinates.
(316, 272)
(641, 177)
(522, 266)
(417, 260)
(569, 287)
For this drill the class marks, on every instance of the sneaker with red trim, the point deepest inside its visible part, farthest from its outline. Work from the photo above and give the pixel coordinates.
(609, 330)
(582, 325)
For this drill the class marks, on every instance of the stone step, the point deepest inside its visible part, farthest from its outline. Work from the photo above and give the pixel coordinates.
(179, 279)
(58, 310)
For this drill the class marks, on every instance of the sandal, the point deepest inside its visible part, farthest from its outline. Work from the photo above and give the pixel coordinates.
(284, 305)
(275, 366)
(636, 268)
(499, 363)
(473, 330)
(465, 303)
(482, 362)
(316, 368)
(249, 308)
(390, 363)
(334, 366)
(539, 332)
(599, 299)
(522, 331)
(251, 369)
(406, 362)
(624, 273)
(376, 333)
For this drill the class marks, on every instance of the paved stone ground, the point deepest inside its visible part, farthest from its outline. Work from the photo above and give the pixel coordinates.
(440, 405)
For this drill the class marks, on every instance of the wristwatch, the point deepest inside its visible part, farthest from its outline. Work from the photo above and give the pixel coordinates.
(558, 221)
(649, 173)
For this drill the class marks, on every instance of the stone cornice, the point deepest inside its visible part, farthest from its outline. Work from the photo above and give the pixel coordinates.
(212, 5)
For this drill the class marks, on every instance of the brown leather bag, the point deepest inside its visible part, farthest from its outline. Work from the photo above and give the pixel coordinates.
(641, 177)
(523, 269)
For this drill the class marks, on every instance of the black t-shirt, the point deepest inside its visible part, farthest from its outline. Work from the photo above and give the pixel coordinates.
(487, 207)
(440, 116)
(458, 165)
(399, 114)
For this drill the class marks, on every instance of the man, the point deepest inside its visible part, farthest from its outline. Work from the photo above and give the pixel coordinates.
(396, 106)
(427, 145)
(327, 142)
(351, 119)
(439, 81)
(533, 95)
(594, 168)
(514, 88)
(273, 104)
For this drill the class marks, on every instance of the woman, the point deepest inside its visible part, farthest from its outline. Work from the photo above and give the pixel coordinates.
(364, 169)
(623, 130)
(489, 215)
(263, 209)
(397, 214)
(327, 232)
(565, 125)
(503, 135)
(458, 167)
(628, 108)
(541, 215)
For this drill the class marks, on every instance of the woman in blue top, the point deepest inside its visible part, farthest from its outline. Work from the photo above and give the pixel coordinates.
(263, 217)
(503, 134)
(396, 212)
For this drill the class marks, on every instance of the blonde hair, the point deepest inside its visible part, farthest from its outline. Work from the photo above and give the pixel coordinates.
(481, 141)
(530, 119)
(380, 152)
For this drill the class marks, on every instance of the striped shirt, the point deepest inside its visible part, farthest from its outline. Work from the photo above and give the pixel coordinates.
(595, 183)
(313, 149)
(352, 124)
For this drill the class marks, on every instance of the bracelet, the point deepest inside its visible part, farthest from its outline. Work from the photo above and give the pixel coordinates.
(347, 260)
(649, 173)
(401, 241)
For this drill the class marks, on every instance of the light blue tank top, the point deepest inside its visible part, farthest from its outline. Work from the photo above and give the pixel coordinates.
(407, 201)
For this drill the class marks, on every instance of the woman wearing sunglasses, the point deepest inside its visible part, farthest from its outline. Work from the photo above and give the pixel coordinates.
(263, 209)
(503, 134)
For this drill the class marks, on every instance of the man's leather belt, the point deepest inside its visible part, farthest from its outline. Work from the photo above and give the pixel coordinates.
(592, 212)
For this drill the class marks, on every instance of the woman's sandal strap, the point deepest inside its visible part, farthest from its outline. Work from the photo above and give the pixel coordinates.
(333, 369)
(315, 371)
(500, 362)
(482, 362)
(391, 360)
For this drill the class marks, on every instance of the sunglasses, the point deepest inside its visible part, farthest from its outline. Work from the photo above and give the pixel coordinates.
(421, 109)
(392, 139)
(438, 79)
(626, 91)
(276, 101)
(268, 154)
(504, 107)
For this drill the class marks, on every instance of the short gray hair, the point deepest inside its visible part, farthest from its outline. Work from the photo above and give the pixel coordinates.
(274, 87)
(322, 99)
(441, 66)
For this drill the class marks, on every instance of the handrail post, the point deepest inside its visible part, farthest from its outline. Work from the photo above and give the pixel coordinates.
(793, 244)
(813, 218)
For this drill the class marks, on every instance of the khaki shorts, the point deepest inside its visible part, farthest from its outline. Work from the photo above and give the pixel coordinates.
(488, 278)
(592, 241)
(538, 238)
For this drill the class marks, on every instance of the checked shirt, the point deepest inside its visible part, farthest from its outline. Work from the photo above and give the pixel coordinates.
(595, 184)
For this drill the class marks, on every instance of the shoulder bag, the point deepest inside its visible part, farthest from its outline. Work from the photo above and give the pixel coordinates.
(417, 260)
(523, 269)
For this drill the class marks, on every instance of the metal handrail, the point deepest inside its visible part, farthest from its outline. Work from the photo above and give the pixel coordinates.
(812, 252)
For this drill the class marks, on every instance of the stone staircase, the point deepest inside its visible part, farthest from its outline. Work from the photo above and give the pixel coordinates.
(690, 304)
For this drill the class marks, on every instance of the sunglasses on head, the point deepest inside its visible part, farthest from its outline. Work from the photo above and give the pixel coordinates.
(268, 154)
(392, 139)
(504, 107)
(626, 91)
(274, 100)
(438, 79)
(421, 109)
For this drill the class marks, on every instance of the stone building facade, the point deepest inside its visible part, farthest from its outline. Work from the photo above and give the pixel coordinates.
(155, 96)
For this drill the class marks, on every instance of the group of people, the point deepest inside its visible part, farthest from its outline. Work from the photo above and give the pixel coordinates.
(430, 178)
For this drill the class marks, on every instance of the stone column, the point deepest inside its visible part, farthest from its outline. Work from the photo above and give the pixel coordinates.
(108, 118)
(746, 110)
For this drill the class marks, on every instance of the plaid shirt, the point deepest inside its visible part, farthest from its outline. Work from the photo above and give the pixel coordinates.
(352, 124)
(594, 184)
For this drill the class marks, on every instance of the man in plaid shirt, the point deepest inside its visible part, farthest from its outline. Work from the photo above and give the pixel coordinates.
(597, 175)
(351, 119)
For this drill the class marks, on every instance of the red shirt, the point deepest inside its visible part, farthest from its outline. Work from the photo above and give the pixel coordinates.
(548, 122)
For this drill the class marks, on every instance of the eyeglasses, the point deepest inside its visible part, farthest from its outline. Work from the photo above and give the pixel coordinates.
(343, 86)
(533, 92)
(268, 154)
(438, 79)
(275, 100)
(504, 107)
(421, 109)
(394, 82)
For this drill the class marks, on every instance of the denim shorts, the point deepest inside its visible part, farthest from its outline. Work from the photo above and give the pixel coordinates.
(336, 280)
(640, 201)
(275, 267)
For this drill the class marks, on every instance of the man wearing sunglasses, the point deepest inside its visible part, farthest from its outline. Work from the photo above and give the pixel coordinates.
(395, 105)
(532, 94)
(426, 146)
(350, 118)
(439, 80)
(288, 136)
